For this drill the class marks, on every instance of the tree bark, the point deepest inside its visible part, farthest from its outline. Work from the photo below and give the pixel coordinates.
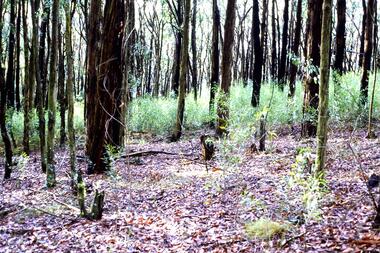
(194, 50)
(223, 101)
(184, 68)
(284, 47)
(295, 50)
(50, 173)
(310, 103)
(368, 47)
(324, 87)
(108, 99)
(340, 36)
(258, 52)
(215, 52)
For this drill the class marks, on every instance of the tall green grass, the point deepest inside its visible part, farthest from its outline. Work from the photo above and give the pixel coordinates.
(158, 115)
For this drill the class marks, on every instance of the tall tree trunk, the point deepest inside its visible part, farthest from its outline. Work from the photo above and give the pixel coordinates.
(215, 52)
(284, 47)
(50, 173)
(177, 50)
(41, 75)
(108, 99)
(263, 38)
(194, 49)
(295, 50)
(340, 36)
(324, 87)
(258, 52)
(368, 39)
(310, 103)
(27, 92)
(274, 44)
(18, 50)
(70, 91)
(362, 36)
(3, 108)
(11, 53)
(183, 73)
(61, 91)
(223, 101)
(92, 62)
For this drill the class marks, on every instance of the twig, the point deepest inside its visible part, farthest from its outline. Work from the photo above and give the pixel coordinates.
(292, 239)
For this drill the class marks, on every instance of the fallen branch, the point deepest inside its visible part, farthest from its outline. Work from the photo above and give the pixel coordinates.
(152, 152)
(292, 239)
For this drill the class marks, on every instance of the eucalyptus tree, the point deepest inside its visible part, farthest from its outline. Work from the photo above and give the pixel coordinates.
(183, 73)
(50, 170)
(223, 101)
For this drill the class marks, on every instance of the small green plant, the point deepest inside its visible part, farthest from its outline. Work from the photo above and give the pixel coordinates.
(265, 229)
(311, 187)
(112, 155)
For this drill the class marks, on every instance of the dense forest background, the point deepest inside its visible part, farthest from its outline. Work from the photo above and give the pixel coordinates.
(150, 100)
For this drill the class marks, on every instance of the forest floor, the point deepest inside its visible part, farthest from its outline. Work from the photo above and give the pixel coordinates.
(169, 203)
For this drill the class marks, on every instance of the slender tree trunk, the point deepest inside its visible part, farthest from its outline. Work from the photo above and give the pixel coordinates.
(274, 44)
(184, 68)
(61, 91)
(223, 101)
(11, 53)
(177, 50)
(340, 36)
(3, 108)
(295, 50)
(284, 47)
(27, 93)
(70, 92)
(18, 50)
(362, 36)
(324, 87)
(258, 52)
(50, 173)
(310, 103)
(368, 47)
(214, 82)
(194, 50)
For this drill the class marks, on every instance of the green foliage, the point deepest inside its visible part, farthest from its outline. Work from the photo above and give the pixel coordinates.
(265, 228)
(305, 190)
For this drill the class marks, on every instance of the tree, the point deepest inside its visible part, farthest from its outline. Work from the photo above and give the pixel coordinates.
(324, 87)
(3, 108)
(295, 50)
(215, 52)
(222, 107)
(310, 102)
(284, 47)
(11, 53)
(340, 43)
(108, 99)
(194, 50)
(368, 47)
(50, 172)
(256, 71)
(182, 78)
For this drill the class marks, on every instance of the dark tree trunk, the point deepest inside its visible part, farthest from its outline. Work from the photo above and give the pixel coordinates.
(194, 49)
(61, 91)
(340, 36)
(3, 128)
(177, 50)
(362, 36)
(258, 52)
(11, 48)
(368, 48)
(229, 34)
(214, 82)
(108, 99)
(284, 49)
(310, 103)
(18, 50)
(274, 44)
(295, 50)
